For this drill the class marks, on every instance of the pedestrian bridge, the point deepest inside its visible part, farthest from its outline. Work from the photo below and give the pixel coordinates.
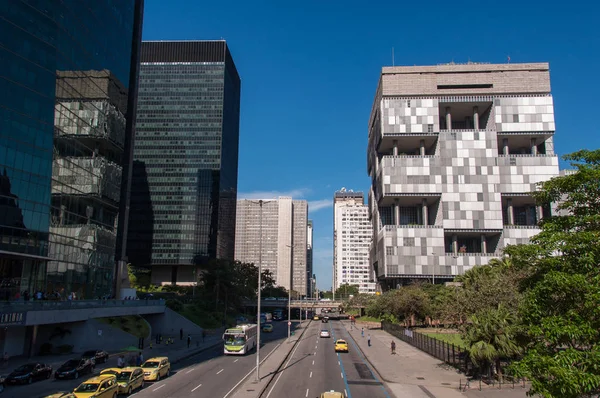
(280, 303)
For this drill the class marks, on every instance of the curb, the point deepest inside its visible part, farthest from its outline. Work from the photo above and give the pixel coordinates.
(264, 389)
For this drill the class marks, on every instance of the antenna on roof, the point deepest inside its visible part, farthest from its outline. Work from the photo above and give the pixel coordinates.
(393, 61)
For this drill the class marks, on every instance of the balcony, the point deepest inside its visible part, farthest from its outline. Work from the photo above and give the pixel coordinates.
(96, 124)
(465, 243)
(87, 176)
(465, 116)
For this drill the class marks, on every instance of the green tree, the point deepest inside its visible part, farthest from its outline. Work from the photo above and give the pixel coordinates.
(345, 291)
(560, 311)
(490, 337)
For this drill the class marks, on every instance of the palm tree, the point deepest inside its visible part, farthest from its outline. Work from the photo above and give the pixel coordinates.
(490, 337)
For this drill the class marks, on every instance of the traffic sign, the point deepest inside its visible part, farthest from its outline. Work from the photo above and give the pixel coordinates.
(289, 323)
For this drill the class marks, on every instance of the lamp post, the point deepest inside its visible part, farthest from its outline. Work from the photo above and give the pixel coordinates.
(290, 290)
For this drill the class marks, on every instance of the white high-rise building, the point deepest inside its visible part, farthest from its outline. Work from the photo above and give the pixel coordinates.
(284, 238)
(351, 241)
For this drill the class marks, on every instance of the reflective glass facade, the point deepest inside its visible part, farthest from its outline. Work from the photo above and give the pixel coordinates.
(184, 192)
(65, 121)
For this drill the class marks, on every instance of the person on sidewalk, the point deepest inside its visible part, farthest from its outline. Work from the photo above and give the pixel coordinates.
(393, 347)
(362, 332)
(120, 362)
(189, 340)
(139, 360)
(369, 339)
(181, 334)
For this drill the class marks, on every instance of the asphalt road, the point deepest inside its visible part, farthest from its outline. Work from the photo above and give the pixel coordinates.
(210, 373)
(314, 367)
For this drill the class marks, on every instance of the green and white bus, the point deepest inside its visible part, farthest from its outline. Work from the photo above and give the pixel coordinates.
(240, 339)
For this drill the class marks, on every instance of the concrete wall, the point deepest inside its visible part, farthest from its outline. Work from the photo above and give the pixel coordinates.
(84, 336)
(170, 322)
(50, 316)
(14, 342)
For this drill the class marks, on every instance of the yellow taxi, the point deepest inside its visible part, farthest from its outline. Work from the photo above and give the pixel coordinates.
(156, 368)
(332, 394)
(341, 346)
(128, 379)
(315, 318)
(103, 386)
(267, 328)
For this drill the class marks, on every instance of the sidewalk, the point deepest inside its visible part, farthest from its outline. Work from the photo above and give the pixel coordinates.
(176, 352)
(411, 372)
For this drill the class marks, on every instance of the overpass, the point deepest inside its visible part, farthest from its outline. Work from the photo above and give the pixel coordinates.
(304, 304)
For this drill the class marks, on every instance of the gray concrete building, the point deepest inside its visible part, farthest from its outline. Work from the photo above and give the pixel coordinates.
(453, 154)
(282, 224)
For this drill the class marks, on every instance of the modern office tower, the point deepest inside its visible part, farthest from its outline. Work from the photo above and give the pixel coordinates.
(351, 241)
(309, 258)
(185, 174)
(280, 228)
(453, 154)
(68, 84)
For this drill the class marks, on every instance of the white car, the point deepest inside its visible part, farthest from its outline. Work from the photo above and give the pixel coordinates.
(325, 333)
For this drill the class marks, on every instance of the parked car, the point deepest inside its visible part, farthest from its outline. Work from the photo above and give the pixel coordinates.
(73, 368)
(103, 386)
(28, 373)
(156, 368)
(97, 356)
(129, 378)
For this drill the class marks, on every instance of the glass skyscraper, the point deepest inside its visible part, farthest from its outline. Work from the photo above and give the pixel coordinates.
(184, 190)
(67, 96)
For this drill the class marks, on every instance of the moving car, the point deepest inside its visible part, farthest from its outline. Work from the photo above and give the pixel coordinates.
(73, 368)
(97, 356)
(341, 346)
(28, 373)
(61, 394)
(325, 333)
(316, 318)
(267, 328)
(332, 394)
(103, 386)
(129, 378)
(156, 368)
(325, 319)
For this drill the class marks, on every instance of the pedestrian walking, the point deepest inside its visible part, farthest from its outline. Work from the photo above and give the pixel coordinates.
(181, 334)
(362, 332)
(138, 359)
(369, 340)
(121, 362)
(393, 347)
(189, 340)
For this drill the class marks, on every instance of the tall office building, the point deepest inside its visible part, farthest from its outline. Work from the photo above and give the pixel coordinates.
(68, 82)
(351, 241)
(453, 154)
(281, 230)
(185, 173)
(309, 259)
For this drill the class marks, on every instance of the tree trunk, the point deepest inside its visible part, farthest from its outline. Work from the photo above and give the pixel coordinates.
(499, 370)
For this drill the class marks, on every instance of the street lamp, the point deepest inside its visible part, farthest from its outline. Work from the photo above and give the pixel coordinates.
(290, 290)
(260, 203)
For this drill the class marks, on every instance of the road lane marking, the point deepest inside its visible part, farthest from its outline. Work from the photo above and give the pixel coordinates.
(338, 362)
(313, 361)
(236, 360)
(315, 353)
(190, 371)
(310, 375)
(250, 372)
(158, 388)
(281, 373)
(345, 392)
(341, 375)
(220, 371)
(306, 393)
(197, 387)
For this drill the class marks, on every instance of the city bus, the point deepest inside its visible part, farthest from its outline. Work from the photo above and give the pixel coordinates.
(240, 339)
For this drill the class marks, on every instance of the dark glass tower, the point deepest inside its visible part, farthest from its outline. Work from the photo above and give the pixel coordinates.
(184, 192)
(67, 96)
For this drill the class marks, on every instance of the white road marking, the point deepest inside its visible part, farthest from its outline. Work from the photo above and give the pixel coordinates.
(339, 363)
(190, 371)
(197, 387)
(250, 372)
(345, 392)
(315, 353)
(236, 360)
(313, 361)
(341, 375)
(220, 371)
(306, 393)
(158, 388)
(310, 375)
(281, 373)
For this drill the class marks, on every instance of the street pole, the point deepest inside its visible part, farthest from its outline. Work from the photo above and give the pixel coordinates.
(290, 290)
(260, 203)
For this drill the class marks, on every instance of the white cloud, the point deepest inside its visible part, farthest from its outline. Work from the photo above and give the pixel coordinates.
(294, 193)
(316, 205)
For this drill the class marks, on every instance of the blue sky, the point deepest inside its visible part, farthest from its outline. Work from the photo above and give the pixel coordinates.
(309, 71)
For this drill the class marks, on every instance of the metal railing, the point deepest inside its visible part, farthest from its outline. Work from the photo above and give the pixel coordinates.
(49, 305)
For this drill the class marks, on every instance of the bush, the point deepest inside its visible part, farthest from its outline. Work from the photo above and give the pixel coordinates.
(64, 349)
(46, 349)
(175, 305)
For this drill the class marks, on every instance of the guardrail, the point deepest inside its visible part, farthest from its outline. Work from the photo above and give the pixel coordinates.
(50, 305)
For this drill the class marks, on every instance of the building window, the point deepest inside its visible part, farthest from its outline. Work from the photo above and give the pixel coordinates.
(409, 242)
(389, 250)
(430, 128)
(516, 118)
